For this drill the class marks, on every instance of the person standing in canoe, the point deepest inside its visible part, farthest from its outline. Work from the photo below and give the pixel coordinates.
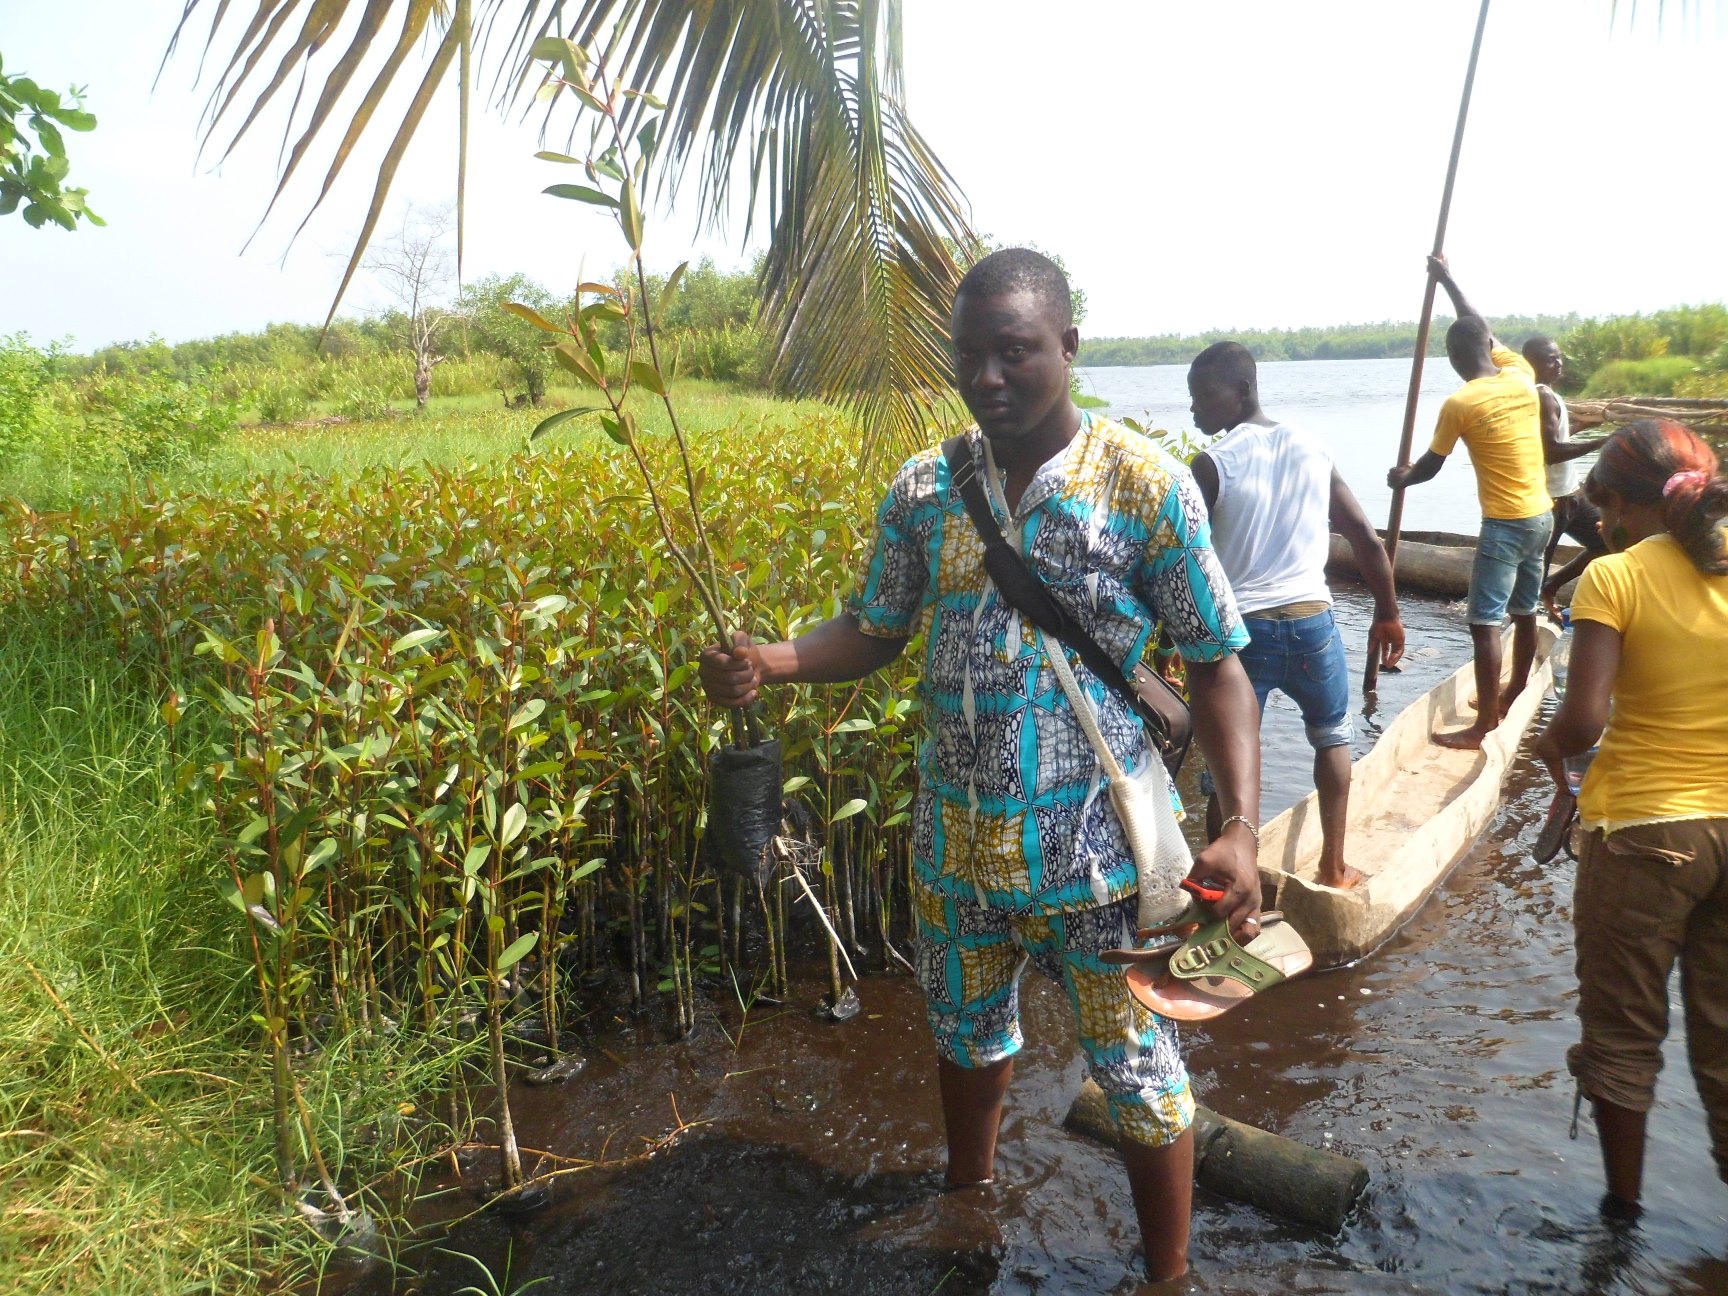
(1274, 498)
(1497, 414)
(1573, 514)
(1649, 673)
(1016, 856)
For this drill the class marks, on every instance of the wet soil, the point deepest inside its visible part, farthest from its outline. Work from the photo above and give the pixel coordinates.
(775, 1152)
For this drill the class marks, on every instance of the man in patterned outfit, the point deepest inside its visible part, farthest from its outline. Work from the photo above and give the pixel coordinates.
(1017, 852)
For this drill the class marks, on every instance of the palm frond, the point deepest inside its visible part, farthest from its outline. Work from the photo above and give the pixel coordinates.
(1688, 9)
(799, 102)
(792, 108)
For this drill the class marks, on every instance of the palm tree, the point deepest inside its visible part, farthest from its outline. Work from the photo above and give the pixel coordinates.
(792, 106)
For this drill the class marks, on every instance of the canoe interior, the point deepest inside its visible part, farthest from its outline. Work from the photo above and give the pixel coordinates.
(1415, 809)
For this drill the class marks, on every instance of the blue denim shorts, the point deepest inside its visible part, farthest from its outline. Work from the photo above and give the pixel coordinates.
(1507, 574)
(1304, 659)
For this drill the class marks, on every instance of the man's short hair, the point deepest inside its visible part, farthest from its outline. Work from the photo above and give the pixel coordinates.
(1534, 345)
(1227, 362)
(1468, 337)
(1022, 270)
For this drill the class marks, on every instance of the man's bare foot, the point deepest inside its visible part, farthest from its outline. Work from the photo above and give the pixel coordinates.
(1461, 739)
(1343, 878)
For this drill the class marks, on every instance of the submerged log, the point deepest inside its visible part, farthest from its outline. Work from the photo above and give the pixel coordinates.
(1250, 1165)
(1437, 562)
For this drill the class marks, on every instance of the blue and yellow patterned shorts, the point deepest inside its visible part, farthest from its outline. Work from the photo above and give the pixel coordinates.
(969, 962)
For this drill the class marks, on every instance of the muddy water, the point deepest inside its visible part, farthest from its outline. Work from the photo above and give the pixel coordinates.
(809, 1159)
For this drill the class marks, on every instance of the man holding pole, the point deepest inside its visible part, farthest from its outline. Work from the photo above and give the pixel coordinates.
(1498, 415)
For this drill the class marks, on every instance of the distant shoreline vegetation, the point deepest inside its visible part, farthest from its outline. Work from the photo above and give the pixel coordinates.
(1387, 340)
(1681, 351)
(148, 406)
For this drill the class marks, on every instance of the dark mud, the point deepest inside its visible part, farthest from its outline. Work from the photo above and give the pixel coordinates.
(775, 1152)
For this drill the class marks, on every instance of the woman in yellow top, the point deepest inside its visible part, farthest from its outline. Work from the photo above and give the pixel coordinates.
(1651, 622)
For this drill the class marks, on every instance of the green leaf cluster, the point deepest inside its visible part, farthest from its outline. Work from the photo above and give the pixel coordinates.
(33, 171)
(1646, 354)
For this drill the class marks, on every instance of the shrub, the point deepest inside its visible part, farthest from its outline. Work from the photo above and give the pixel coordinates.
(150, 422)
(1653, 376)
(25, 373)
(281, 402)
(363, 401)
(1704, 385)
(735, 353)
(493, 329)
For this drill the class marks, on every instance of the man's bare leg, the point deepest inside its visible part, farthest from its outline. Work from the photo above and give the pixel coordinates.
(1559, 580)
(1332, 781)
(1621, 1131)
(1523, 657)
(972, 1100)
(1162, 1181)
(1485, 642)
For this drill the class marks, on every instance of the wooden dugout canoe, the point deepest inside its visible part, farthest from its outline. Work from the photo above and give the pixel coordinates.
(1415, 809)
(1436, 562)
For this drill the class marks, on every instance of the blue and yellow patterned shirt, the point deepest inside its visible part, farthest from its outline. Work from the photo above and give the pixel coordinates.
(1011, 808)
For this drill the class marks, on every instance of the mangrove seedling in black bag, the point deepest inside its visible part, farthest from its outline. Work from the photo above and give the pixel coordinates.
(744, 804)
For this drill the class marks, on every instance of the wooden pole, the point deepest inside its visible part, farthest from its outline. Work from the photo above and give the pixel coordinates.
(1395, 522)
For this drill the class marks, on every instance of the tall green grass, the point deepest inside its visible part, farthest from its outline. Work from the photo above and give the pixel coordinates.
(126, 1115)
(453, 430)
(135, 1115)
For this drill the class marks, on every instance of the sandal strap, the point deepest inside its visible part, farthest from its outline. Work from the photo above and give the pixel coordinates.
(1211, 952)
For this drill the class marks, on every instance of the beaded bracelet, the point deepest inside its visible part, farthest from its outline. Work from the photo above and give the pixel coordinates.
(1247, 823)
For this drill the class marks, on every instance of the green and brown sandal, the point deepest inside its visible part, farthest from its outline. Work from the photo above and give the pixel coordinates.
(1209, 973)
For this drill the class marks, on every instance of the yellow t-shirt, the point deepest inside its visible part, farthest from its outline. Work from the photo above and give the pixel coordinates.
(1665, 752)
(1500, 420)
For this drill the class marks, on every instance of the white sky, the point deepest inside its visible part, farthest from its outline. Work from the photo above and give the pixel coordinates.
(1259, 163)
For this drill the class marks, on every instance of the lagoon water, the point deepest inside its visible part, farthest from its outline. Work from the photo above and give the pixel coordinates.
(1356, 406)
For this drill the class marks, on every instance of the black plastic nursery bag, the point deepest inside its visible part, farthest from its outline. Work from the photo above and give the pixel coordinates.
(744, 805)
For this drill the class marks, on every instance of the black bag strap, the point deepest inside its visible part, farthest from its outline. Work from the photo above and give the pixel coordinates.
(1026, 592)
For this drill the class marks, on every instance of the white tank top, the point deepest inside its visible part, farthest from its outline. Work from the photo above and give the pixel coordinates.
(1271, 522)
(1563, 478)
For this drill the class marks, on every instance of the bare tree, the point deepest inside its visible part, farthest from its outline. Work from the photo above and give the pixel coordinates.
(416, 268)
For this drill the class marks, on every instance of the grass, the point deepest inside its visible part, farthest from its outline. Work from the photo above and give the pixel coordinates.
(454, 430)
(124, 1123)
(135, 1132)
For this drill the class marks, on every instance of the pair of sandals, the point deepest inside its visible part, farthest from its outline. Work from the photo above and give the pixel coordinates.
(1563, 812)
(1192, 969)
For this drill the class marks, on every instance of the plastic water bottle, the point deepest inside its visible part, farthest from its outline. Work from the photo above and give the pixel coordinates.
(1576, 767)
(1562, 652)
